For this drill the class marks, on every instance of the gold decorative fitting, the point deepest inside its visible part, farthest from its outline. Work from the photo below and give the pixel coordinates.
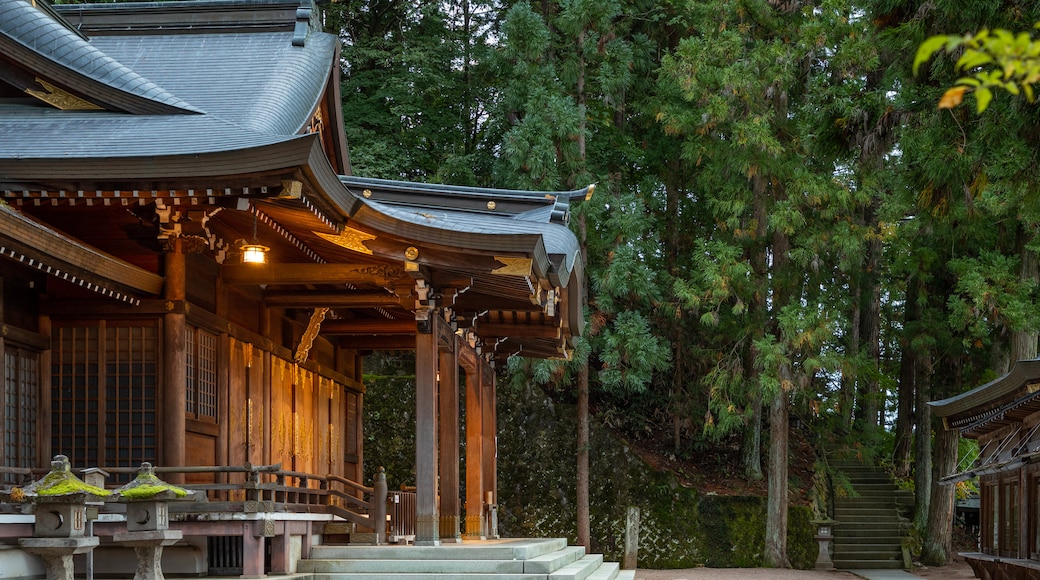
(411, 253)
(350, 239)
(591, 190)
(367, 193)
(491, 205)
(61, 99)
(513, 266)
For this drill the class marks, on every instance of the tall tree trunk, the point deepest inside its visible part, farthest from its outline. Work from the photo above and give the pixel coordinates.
(1024, 342)
(850, 372)
(903, 448)
(937, 547)
(776, 518)
(870, 395)
(922, 446)
(582, 492)
(584, 528)
(584, 525)
(752, 450)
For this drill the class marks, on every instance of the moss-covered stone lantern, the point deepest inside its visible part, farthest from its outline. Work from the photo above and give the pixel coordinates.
(59, 503)
(148, 520)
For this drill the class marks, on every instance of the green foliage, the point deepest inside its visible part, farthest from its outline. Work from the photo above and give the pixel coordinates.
(389, 417)
(993, 59)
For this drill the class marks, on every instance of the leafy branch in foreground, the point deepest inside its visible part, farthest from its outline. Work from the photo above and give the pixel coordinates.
(992, 59)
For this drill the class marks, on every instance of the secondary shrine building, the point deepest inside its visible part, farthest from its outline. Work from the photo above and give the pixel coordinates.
(191, 275)
(1004, 417)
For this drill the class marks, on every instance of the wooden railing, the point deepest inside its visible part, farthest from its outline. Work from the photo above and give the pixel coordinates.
(401, 523)
(266, 488)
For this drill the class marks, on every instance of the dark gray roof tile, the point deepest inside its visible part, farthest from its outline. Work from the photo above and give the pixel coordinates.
(41, 42)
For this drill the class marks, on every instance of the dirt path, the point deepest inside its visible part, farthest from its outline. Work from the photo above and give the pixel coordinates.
(958, 570)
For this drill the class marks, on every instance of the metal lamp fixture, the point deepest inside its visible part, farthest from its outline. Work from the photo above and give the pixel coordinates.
(254, 253)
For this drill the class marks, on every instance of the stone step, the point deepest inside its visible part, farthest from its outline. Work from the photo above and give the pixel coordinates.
(494, 560)
(485, 550)
(873, 552)
(856, 522)
(843, 564)
(579, 570)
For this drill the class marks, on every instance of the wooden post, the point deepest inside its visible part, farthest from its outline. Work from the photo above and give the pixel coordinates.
(490, 446)
(175, 363)
(426, 519)
(449, 448)
(474, 457)
(379, 496)
(631, 539)
(252, 552)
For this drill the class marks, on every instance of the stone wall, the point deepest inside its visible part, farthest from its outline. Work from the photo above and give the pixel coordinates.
(680, 527)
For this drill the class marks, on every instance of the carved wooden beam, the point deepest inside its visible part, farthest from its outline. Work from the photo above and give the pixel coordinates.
(485, 330)
(275, 274)
(343, 299)
(368, 326)
(379, 342)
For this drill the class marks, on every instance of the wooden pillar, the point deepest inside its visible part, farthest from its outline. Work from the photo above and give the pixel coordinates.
(43, 417)
(474, 456)
(175, 362)
(253, 546)
(281, 549)
(426, 519)
(490, 461)
(1023, 513)
(449, 448)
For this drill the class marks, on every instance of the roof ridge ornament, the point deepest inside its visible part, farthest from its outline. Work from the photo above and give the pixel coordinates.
(304, 15)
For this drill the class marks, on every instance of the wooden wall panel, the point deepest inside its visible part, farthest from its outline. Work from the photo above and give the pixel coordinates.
(322, 428)
(256, 410)
(237, 407)
(200, 450)
(281, 412)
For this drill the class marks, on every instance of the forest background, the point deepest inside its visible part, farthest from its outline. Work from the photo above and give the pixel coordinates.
(785, 227)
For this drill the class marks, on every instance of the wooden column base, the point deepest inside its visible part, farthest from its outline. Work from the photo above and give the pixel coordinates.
(426, 530)
(449, 529)
(475, 528)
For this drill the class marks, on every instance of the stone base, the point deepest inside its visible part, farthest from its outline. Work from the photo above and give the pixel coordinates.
(148, 545)
(363, 539)
(57, 553)
(148, 538)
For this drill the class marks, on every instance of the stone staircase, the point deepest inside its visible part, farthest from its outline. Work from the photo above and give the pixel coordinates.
(510, 559)
(871, 528)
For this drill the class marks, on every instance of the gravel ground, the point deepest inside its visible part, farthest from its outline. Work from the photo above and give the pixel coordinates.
(958, 570)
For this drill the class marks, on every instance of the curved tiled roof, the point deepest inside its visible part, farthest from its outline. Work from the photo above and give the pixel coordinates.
(50, 50)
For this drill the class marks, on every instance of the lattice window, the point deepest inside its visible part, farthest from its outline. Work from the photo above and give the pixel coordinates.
(131, 389)
(202, 374)
(104, 387)
(75, 372)
(21, 403)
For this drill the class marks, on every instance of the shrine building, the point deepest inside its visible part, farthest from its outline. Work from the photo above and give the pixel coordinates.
(191, 276)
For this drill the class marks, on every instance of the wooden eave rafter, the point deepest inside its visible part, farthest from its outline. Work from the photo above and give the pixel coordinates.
(50, 252)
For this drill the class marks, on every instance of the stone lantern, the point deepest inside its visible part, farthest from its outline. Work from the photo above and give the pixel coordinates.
(148, 520)
(59, 502)
(824, 536)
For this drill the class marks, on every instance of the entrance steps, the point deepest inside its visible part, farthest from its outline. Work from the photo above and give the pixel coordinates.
(511, 559)
(871, 529)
